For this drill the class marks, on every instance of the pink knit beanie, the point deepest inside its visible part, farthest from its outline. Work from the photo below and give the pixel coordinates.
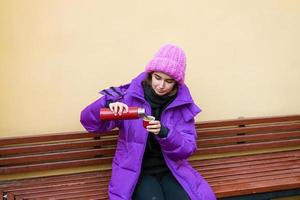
(170, 60)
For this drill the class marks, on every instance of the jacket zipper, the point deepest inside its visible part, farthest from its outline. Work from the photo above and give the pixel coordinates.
(141, 158)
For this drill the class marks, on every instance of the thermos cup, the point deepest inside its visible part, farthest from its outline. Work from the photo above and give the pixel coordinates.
(133, 113)
(147, 119)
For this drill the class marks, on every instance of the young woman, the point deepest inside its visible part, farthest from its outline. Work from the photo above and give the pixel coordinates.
(151, 163)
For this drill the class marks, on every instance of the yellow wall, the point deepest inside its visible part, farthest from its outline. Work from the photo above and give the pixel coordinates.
(55, 55)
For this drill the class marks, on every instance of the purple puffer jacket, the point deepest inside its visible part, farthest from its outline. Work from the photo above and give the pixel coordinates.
(180, 143)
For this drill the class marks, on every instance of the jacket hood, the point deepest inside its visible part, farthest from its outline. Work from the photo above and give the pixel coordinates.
(183, 94)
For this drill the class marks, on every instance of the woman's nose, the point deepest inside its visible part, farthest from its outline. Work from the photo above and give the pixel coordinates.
(162, 84)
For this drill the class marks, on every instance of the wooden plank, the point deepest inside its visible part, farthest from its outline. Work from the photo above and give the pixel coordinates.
(252, 169)
(52, 180)
(102, 195)
(96, 196)
(248, 158)
(247, 138)
(48, 147)
(248, 147)
(260, 176)
(256, 187)
(244, 130)
(57, 156)
(54, 165)
(76, 186)
(242, 163)
(246, 121)
(45, 138)
(99, 193)
(65, 193)
(52, 137)
(39, 148)
(46, 187)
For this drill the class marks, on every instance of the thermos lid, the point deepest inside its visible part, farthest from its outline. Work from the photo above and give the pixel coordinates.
(141, 111)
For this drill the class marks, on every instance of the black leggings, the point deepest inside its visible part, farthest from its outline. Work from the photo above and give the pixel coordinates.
(159, 187)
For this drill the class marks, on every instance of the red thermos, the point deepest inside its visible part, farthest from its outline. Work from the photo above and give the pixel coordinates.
(133, 113)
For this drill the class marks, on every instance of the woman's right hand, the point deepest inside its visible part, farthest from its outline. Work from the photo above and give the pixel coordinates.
(118, 108)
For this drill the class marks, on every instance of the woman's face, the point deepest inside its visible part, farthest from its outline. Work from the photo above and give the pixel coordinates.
(162, 83)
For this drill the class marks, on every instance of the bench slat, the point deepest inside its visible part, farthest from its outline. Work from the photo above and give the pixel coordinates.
(242, 163)
(47, 157)
(99, 192)
(252, 169)
(249, 147)
(44, 138)
(259, 176)
(47, 147)
(244, 130)
(53, 137)
(257, 187)
(65, 193)
(247, 138)
(59, 187)
(246, 121)
(55, 146)
(101, 176)
(246, 158)
(55, 165)
(92, 196)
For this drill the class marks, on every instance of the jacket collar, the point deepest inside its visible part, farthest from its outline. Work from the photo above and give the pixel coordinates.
(136, 90)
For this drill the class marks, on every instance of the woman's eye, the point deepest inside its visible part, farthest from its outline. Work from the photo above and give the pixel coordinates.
(170, 81)
(157, 77)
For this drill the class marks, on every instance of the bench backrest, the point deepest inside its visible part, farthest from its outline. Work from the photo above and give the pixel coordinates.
(248, 134)
(76, 149)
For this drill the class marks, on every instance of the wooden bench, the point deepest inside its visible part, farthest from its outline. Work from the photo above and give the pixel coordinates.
(246, 158)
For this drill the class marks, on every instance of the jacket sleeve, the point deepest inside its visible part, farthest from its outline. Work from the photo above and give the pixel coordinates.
(90, 116)
(181, 140)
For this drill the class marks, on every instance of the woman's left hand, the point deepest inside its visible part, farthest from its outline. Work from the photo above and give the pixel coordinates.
(154, 127)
